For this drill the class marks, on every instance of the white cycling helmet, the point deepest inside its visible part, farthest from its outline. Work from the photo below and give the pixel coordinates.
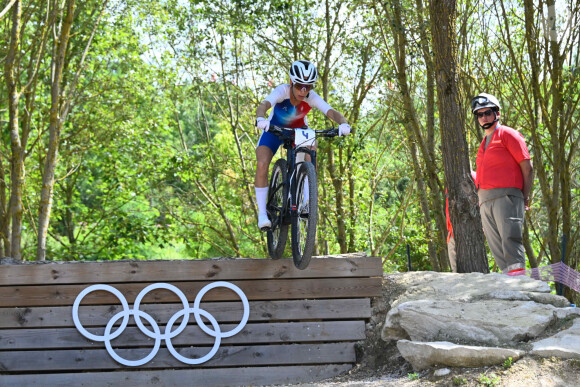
(303, 72)
(484, 100)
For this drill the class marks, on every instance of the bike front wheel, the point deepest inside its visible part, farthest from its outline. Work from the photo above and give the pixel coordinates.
(304, 223)
(277, 235)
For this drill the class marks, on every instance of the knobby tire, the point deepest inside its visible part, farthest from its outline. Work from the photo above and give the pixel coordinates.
(277, 195)
(304, 224)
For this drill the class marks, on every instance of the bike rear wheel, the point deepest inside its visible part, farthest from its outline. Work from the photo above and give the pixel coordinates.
(277, 195)
(304, 224)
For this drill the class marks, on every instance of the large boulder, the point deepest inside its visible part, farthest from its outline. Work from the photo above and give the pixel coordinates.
(426, 355)
(476, 319)
(485, 322)
(469, 287)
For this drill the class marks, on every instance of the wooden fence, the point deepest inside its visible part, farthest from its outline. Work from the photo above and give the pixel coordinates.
(302, 324)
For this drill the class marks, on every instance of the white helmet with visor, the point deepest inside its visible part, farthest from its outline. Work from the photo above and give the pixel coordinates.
(303, 72)
(484, 100)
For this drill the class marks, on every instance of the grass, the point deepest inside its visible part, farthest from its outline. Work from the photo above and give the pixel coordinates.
(413, 376)
(508, 363)
(488, 381)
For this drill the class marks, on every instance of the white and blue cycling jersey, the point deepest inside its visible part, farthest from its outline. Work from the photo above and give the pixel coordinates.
(286, 115)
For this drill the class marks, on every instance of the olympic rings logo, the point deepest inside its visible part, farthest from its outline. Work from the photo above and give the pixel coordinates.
(156, 334)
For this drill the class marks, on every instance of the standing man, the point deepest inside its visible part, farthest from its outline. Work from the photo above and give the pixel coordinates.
(504, 181)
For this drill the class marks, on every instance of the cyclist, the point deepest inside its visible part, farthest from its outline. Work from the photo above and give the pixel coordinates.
(291, 103)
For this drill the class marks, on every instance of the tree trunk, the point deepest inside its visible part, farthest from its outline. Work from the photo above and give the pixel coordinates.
(414, 132)
(553, 108)
(335, 166)
(14, 212)
(463, 201)
(4, 231)
(437, 200)
(55, 125)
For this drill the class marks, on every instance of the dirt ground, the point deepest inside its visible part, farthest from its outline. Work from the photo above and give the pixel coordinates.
(380, 363)
(529, 371)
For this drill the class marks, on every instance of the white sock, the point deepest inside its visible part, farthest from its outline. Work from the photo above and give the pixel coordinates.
(261, 199)
(306, 190)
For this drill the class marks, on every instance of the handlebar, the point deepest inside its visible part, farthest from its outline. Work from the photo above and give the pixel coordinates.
(289, 132)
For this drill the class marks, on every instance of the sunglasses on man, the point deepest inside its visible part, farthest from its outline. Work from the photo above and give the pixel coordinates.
(300, 86)
(486, 113)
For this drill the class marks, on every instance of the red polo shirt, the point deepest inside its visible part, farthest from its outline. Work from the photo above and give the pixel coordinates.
(498, 166)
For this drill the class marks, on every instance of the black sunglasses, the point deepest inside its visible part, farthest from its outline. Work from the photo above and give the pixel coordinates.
(486, 113)
(300, 86)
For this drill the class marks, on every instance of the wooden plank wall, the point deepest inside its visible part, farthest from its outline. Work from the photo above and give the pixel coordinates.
(302, 325)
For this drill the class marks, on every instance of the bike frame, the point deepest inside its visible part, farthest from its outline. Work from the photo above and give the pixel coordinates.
(289, 209)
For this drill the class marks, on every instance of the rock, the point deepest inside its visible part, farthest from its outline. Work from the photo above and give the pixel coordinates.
(470, 287)
(424, 355)
(564, 344)
(548, 298)
(563, 313)
(442, 372)
(468, 323)
(457, 320)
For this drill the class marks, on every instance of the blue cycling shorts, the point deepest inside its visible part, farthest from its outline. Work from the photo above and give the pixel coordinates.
(271, 141)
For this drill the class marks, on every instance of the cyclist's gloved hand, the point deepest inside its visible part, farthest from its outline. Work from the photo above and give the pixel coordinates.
(262, 124)
(343, 129)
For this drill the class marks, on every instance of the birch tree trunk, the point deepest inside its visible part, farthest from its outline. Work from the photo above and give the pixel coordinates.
(463, 200)
(415, 131)
(4, 219)
(55, 125)
(14, 212)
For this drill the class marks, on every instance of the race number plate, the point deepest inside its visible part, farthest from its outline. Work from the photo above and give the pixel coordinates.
(304, 137)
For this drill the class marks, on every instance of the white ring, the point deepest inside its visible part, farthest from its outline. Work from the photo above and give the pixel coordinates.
(216, 345)
(171, 288)
(230, 286)
(156, 334)
(105, 288)
(133, 363)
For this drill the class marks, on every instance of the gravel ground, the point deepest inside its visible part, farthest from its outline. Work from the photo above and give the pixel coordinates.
(381, 364)
(527, 372)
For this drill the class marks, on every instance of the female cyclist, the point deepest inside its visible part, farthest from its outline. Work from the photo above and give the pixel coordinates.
(291, 103)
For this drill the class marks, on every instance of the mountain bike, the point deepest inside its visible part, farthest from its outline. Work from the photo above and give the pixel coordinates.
(293, 194)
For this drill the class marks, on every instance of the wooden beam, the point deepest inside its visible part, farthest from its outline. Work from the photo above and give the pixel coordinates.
(64, 295)
(99, 315)
(185, 270)
(217, 377)
(240, 356)
(132, 337)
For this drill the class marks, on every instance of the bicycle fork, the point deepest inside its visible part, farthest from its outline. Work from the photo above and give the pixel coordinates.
(298, 157)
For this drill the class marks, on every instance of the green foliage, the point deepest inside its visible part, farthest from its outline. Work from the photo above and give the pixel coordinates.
(459, 381)
(488, 381)
(413, 376)
(507, 364)
(156, 158)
